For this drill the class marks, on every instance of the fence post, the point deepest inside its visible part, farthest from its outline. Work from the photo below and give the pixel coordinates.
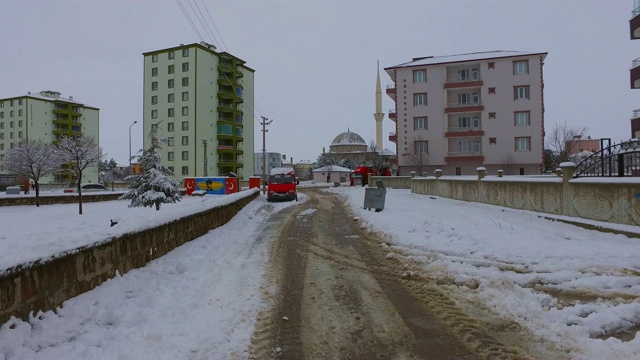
(567, 169)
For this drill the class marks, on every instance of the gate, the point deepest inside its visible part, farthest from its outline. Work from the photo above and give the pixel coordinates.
(615, 160)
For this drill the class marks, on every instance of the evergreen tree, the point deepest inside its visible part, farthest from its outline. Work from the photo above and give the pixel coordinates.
(152, 187)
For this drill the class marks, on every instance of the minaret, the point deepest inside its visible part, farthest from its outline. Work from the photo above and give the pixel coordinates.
(379, 115)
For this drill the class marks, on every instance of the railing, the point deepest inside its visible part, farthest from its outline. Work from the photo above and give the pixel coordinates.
(392, 133)
(462, 129)
(392, 111)
(464, 153)
(635, 63)
(223, 105)
(635, 12)
(391, 86)
(225, 147)
(636, 113)
(226, 91)
(465, 79)
(225, 119)
(464, 104)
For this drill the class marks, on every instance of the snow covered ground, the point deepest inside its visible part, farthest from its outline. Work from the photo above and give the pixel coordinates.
(201, 300)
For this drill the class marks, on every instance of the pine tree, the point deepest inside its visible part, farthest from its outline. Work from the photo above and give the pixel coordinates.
(152, 187)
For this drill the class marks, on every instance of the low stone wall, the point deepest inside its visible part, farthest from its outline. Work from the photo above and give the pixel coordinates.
(15, 200)
(45, 286)
(591, 198)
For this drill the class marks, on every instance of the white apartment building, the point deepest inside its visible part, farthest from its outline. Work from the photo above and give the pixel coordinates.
(202, 101)
(460, 112)
(273, 160)
(47, 116)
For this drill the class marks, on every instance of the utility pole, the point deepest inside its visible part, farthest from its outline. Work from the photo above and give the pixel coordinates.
(264, 123)
(204, 143)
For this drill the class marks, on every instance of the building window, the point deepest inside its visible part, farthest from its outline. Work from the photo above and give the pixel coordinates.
(1, 125)
(420, 123)
(11, 124)
(154, 114)
(491, 65)
(19, 101)
(170, 83)
(185, 140)
(154, 127)
(170, 98)
(185, 81)
(170, 69)
(1, 136)
(185, 67)
(185, 96)
(154, 99)
(10, 102)
(170, 127)
(1, 104)
(420, 99)
(185, 155)
(520, 92)
(523, 144)
(19, 134)
(185, 52)
(154, 85)
(1, 146)
(492, 140)
(521, 67)
(419, 76)
(11, 113)
(154, 71)
(171, 55)
(154, 58)
(1, 114)
(492, 90)
(521, 118)
(11, 135)
(492, 115)
(185, 125)
(170, 141)
(170, 112)
(20, 123)
(421, 147)
(170, 169)
(185, 110)
(185, 170)
(170, 156)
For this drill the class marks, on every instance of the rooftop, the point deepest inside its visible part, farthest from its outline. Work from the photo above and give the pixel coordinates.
(484, 55)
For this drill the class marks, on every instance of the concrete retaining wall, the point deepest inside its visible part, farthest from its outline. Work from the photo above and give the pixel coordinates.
(45, 286)
(597, 199)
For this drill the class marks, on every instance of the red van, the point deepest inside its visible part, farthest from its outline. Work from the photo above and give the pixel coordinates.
(282, 185)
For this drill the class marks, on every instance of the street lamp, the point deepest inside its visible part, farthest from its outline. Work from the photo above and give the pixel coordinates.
(130, 144)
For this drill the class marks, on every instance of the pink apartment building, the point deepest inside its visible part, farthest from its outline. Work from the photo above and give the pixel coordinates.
(460, 112)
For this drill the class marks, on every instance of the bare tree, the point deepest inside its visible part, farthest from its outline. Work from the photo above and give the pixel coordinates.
(562, 141)
(32, 159)
(76, 154)
(378, 162)
(508, 165)
(418, 158)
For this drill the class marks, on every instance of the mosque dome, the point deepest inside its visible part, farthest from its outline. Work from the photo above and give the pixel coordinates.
(348, 138)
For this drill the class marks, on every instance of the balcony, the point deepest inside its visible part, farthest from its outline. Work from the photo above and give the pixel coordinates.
(393, 137)
(392, 114)
(634, 24)
(463, 82)
(459, 107)
(465, 156)
(634, 73)
(391, 90)
(464, 131)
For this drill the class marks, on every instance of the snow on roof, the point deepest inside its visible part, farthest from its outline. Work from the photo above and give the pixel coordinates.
(348, 138)
(494, 54)
(282, 170)
(334, 168)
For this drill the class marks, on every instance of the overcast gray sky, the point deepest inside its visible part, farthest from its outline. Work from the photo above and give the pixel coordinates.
(315, 60)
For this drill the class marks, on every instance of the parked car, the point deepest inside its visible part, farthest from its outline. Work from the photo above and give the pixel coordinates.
(86, 188)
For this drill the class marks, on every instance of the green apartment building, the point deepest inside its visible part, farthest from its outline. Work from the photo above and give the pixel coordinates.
(202, 102)
(46, 116)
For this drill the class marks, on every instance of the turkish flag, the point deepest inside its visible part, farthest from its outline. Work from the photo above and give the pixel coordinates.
(190, 184)
(232, 185)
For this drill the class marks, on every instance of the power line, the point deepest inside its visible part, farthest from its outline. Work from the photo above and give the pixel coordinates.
(204, 27)
(214, 25)
(193, 26)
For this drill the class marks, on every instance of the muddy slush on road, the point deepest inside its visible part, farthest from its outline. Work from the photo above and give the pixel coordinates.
(339, 295)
